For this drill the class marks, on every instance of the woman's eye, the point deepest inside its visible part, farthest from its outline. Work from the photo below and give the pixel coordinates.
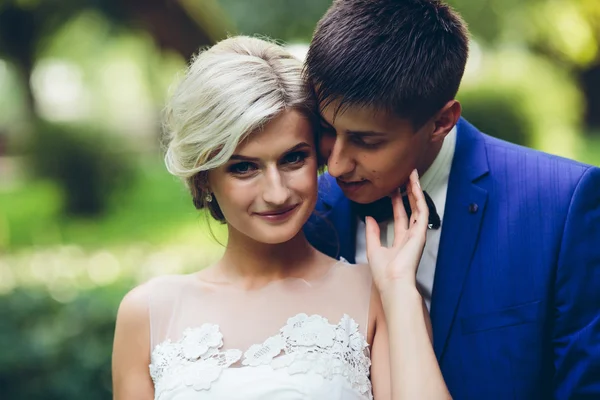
(242, 168)
(294, 158)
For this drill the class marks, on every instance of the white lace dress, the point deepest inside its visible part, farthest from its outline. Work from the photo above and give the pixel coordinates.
(293, 339)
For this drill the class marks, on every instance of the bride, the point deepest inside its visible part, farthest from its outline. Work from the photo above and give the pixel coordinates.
(273, 318)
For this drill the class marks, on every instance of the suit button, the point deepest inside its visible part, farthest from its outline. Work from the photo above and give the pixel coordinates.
(473, 207)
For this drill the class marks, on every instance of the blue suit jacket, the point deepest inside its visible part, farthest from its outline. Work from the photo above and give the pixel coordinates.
(516, 297)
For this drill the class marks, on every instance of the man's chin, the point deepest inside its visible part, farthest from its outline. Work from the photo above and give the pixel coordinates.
(361, 198)
(366, 196)
(356, 191)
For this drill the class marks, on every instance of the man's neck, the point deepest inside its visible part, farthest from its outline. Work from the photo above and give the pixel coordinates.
(429, 160)
(441, 155)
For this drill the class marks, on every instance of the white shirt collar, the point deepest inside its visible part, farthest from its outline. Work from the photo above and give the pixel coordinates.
(439, 171)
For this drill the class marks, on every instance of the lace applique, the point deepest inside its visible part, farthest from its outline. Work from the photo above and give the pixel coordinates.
(260, 354)
(304, 344)
(194, 360)
(313, 344)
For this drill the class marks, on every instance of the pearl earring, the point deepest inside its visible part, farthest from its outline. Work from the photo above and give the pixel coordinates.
(208, 197)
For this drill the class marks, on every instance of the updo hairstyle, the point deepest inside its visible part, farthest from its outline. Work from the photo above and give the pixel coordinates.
(229, 91)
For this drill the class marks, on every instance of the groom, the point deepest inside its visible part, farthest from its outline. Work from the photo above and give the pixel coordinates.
(511, 269)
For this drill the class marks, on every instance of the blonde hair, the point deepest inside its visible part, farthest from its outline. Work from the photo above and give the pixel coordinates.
(229, 91)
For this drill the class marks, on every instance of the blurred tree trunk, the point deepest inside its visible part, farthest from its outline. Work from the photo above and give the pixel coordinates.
(19, 30)
(181, 25)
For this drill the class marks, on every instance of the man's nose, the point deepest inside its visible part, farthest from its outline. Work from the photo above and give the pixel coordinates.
(276, 191)
(339, 162)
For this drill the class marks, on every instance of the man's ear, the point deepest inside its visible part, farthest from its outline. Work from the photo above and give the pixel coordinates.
(445, 120)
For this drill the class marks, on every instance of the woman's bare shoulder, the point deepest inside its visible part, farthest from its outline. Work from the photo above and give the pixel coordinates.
(136, 302)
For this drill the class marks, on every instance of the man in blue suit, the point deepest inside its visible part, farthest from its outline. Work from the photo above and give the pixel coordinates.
(511, 268)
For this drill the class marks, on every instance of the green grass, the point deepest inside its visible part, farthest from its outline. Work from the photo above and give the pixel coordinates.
(155, 209)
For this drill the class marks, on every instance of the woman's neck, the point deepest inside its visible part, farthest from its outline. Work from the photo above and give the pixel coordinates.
(253, 264)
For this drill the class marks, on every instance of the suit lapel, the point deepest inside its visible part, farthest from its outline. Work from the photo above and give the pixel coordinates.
(465, 206)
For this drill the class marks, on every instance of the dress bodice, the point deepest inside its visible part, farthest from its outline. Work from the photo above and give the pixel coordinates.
(293, 339)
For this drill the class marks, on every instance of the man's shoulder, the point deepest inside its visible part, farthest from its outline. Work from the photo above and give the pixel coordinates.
(329, 193)
(327, 182)
(511, 154)
(503, 155)
(518, 170)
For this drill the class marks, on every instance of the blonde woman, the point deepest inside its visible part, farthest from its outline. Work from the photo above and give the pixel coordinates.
(274, 318)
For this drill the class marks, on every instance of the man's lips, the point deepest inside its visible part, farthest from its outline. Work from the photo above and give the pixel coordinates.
(350, 182)
(350, 187)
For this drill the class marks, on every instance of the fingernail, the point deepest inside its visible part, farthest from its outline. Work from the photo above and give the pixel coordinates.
(417, 175)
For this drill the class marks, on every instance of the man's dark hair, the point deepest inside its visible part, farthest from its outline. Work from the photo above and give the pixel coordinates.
(406, 57)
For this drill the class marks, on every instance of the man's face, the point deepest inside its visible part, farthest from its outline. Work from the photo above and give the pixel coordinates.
(372, 153)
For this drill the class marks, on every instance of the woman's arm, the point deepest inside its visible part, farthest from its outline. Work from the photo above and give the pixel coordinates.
(414, 371)
(380, 350)
(131, 349)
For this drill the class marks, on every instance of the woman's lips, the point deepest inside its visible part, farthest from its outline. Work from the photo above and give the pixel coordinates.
(278, 215)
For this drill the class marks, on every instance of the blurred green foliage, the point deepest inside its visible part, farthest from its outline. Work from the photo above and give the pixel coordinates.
(496, 113)
(56, 351)
(524, 98)
(589, 150)
(289, 20)
(88, 167)
(154, 208)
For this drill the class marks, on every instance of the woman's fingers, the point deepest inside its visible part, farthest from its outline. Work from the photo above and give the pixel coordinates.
(415, 212)
(418, 204)
(400, 217)
(372, 237)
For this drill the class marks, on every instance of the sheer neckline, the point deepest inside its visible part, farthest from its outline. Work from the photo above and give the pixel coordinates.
(324, 302)
(290, 280)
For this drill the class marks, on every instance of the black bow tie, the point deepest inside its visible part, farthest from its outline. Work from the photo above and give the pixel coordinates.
(382, 210)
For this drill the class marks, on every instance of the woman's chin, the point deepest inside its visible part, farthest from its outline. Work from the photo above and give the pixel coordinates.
(275, 237)
(276, 234)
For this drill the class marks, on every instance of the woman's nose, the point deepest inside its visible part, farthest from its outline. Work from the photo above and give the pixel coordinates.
(276, 191)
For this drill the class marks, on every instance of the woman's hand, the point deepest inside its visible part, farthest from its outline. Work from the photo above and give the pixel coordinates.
(397, 265)
(414, 370)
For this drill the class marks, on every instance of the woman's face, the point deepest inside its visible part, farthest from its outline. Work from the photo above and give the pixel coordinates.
(268, 188)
